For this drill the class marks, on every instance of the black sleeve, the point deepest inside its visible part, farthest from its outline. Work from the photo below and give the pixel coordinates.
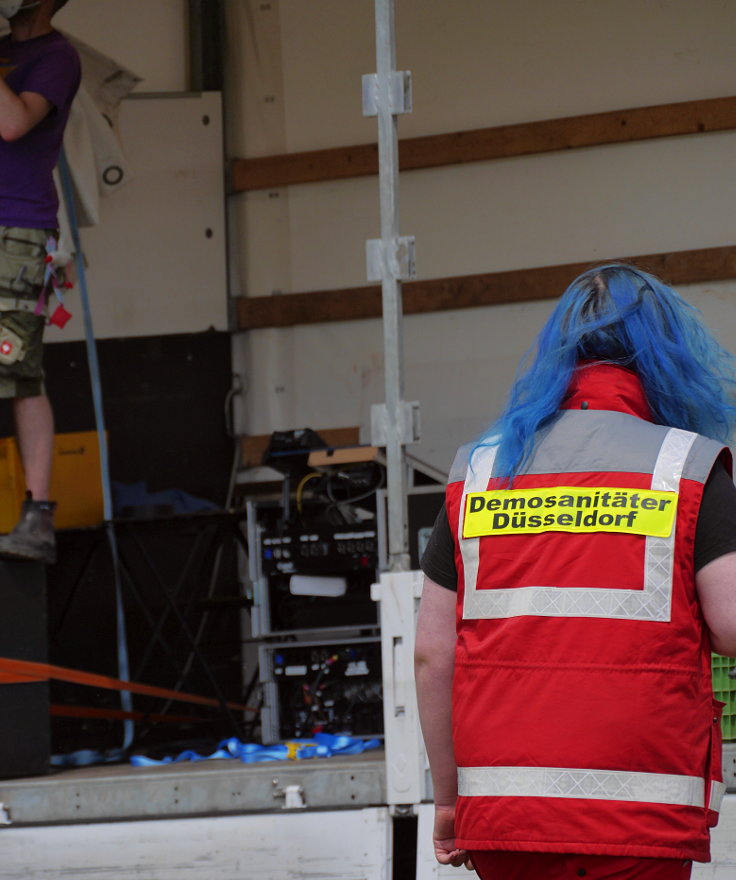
(716, 531)
(438, 559)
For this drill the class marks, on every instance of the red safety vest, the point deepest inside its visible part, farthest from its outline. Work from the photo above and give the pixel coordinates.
(583, 713)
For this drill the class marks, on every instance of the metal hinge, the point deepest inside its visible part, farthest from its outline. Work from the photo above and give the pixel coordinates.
(293, 796)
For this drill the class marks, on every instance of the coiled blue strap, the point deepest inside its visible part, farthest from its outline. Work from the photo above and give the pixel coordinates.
(321, 745)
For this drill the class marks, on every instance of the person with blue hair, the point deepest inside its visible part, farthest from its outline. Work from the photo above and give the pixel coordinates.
(579, 576)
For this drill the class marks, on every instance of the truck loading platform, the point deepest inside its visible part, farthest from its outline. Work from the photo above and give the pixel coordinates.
(212, 788)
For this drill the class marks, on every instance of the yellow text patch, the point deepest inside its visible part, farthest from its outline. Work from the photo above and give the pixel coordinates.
(569, 509)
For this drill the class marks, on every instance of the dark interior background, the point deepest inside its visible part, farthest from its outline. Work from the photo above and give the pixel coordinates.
(164, 402)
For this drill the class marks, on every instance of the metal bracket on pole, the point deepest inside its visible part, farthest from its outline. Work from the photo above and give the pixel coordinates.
(399, 262)
(409, 423)
(399, 94)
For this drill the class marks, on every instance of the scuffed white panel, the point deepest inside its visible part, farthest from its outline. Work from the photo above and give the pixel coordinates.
(157, 259)
(344, 845)
(398, 595)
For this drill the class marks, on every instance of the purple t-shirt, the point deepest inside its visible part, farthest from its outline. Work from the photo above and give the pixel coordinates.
(48, 65)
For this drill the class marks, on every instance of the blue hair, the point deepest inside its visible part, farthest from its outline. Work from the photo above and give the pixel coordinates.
(619, 314)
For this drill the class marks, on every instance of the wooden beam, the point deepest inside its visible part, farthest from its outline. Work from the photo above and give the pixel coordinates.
(482, 145)
(291, 309)
(471, 291)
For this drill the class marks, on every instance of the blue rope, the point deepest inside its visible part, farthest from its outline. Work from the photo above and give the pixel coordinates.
(94, 369)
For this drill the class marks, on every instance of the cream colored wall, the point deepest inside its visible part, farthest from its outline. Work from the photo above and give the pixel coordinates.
(483, 62)
(147, 36)
(296, 86)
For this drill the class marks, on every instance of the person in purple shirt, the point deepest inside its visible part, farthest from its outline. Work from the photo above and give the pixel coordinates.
(39, 76)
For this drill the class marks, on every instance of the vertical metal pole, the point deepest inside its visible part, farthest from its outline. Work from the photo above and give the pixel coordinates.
(196, 59)
(388, 158)
(206, 45)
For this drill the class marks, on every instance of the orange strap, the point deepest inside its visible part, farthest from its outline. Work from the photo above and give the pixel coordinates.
(25, 671)
(59, 711)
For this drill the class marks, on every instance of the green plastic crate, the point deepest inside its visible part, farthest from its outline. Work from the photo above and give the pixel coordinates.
(724, 689)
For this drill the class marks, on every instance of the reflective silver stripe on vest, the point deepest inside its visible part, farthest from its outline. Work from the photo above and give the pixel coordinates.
(717, 790)
(564, 782)
(651, 603)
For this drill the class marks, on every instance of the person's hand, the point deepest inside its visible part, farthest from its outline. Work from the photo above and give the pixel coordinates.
(443, 838)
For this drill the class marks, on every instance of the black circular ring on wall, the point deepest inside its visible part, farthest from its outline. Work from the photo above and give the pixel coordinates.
(113, 175)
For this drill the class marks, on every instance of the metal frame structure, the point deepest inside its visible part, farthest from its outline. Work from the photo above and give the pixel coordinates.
(271, 721)
(390, 259)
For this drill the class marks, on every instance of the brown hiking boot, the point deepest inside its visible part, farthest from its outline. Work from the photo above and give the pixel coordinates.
(33, 537)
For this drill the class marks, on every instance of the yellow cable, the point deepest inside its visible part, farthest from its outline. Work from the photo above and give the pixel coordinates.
(302, 483)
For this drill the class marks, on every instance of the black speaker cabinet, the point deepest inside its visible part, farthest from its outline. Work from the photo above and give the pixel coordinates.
(24, 707)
